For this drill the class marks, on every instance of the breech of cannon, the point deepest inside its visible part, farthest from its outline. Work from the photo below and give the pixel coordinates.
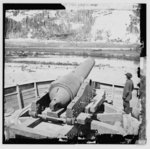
(64, 89)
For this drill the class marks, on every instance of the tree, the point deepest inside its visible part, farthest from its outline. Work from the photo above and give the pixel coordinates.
(134, 21)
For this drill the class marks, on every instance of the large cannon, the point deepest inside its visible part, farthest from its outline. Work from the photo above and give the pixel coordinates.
(73, 108)
(63, 90)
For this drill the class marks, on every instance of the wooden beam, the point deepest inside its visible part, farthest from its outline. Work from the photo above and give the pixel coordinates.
(110, 118)
(51, 113)
(108, 108)
(10, 94)
(28, 90)
(97, 101)
(19, 97)
(104, 128)
(36, 90)
(113, 89)
(83, 118)
(30, 132)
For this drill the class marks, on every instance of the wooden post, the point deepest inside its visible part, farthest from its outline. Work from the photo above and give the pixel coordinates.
(36, 90)
(113, 89)
(19, 97)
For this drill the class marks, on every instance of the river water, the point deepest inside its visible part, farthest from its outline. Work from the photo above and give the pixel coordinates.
(105, 70)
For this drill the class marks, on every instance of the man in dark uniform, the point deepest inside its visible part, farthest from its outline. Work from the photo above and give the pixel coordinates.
(127, 93)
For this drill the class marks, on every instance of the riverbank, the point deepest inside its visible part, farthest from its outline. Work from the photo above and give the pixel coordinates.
(94, 49)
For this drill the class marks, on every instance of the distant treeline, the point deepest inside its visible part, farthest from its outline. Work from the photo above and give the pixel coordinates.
(44, 25)
(74, 25)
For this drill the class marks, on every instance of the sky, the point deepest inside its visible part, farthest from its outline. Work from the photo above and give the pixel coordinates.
(116, 23)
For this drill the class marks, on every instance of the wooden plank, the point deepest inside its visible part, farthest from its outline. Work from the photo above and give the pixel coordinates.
(31, 122)
(44, 82)
(26, 86)
(97, 101)
(42, 92)
(43, 89)
(104, 128)
(31, 97)
(105, 84)
(13, 104)
(10, 98)
(83, 118)
(28, 97)
(9, 90)
(11, 101)
(87, 108)
(46, 88)
(13, 87)
(54, 130)
(28, 90)
(109, 108)
(29, 101)
(63, 115)
(57, 113)
(110, 118)
(10, 94)
(43, 86)
(19, 97)
(29, 94)
(30, 132)
(82, 99)
(113, 90)
(36, 90)
(109, 85)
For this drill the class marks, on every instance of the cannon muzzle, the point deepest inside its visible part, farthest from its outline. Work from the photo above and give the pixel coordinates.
(63, 90)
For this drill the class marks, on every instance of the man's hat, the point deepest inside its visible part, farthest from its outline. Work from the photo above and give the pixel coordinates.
(129, 75)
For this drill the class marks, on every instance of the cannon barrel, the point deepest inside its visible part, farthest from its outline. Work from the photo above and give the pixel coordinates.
(64, 89)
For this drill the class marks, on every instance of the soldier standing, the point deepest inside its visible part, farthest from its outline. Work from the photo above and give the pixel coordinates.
(127, 93)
